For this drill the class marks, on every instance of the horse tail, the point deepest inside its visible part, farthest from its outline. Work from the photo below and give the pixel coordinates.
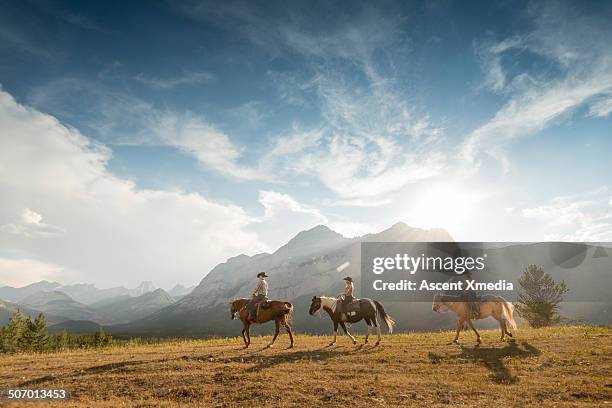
(389, 322)
(508, 311)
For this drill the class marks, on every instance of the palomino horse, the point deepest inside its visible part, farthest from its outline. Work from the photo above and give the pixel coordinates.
(280, 312)
(368, 311)
(488, 305)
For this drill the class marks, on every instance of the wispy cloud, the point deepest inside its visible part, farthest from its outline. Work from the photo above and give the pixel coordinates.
(583, 58)
(187, 78)
(577, 217)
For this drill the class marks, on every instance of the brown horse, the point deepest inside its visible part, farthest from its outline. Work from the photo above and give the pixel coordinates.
(488, 305)
(280, 312)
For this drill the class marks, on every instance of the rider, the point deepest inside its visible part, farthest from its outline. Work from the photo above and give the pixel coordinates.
(346, 297)
(471, 298)
(260, 294)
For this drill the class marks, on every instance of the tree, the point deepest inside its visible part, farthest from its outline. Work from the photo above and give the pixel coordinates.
(539, 297)
(13, 332)
(41, 338)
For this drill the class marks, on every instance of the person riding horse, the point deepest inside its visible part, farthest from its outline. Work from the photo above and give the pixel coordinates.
(471, 298)
(260, 294)
(346, 297)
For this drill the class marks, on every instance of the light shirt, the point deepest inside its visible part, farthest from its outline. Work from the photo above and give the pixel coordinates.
(348, 290)
(261, 289)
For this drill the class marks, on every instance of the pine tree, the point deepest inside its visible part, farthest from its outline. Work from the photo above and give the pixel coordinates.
(41, 337)
(539, 297)
(27, 341)
(14, 332)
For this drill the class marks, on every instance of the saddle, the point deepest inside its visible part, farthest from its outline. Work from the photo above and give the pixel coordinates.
(352, 307)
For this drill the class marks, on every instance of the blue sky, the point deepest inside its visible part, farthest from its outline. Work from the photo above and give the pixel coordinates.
(201, 130)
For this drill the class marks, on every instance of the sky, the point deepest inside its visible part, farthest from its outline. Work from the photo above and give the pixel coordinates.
(152, 142)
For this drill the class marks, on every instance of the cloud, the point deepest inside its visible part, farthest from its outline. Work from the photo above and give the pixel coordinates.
(369, 140)
(188, 78)
(578, 217)
(124, 119)
(21, 272)
(601, 108)
(283, 216)
(583, 58)
(114, 231)
(31, 224)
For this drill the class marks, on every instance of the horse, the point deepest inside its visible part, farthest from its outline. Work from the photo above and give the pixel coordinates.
(369, 310)
(488, 305)
(280, 312)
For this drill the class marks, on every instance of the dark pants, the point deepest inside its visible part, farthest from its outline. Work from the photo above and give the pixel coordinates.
(472, 300)
(252, 306)
(345, 302)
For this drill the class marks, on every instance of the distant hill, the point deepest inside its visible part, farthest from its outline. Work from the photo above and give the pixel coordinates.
(59, 304)
(7, 309)
(89, 294)
(12, 294)
(85, 293)
(75, 326)
(126, 308)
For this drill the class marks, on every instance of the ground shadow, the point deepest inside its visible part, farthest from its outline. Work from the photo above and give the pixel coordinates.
(90, 370)
(267, 361)
(492, 358)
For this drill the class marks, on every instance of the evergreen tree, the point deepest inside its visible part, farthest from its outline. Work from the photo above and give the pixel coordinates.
(42, 338)
(539, 297)
(14, 331)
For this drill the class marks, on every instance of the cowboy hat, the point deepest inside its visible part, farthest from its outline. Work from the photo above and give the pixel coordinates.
(348, 278)
(260, 274)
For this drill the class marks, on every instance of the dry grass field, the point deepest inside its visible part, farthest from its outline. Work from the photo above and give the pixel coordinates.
(544, 367)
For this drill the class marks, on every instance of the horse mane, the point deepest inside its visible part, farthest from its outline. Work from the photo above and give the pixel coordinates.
(329, 302)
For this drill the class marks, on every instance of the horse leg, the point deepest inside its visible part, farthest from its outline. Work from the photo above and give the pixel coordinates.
(288, 328)
(475, 331)
(335, 333)
(277, 327)
(460, 323)
(369, 323)
(248, 333)
(377, 325)
(243, 336)
(347, 332)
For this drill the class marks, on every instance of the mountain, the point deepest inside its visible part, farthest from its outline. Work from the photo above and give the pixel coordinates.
(141, 289)
(126, 308)
(179, 291)
(59, 304)
(305, 266)
(89, 294)
(7, 309)
(12, 294)
(85, 293)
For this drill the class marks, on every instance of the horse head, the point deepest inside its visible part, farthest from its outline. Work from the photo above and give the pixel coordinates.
(315, 305)
(234, 308)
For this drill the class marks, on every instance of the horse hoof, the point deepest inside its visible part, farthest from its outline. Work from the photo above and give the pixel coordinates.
(377, 343)
(355, 343)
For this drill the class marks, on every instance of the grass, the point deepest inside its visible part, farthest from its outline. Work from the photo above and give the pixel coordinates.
(563, 366)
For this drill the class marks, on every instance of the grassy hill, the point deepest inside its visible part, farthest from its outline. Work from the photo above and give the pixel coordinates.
(544, 367)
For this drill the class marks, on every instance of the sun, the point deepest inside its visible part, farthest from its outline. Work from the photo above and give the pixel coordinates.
(447, 206)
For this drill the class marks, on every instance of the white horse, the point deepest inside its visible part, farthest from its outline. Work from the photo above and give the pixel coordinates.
(488, 305)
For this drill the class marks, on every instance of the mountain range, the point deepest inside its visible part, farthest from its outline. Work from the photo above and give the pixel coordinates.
(311, 263)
